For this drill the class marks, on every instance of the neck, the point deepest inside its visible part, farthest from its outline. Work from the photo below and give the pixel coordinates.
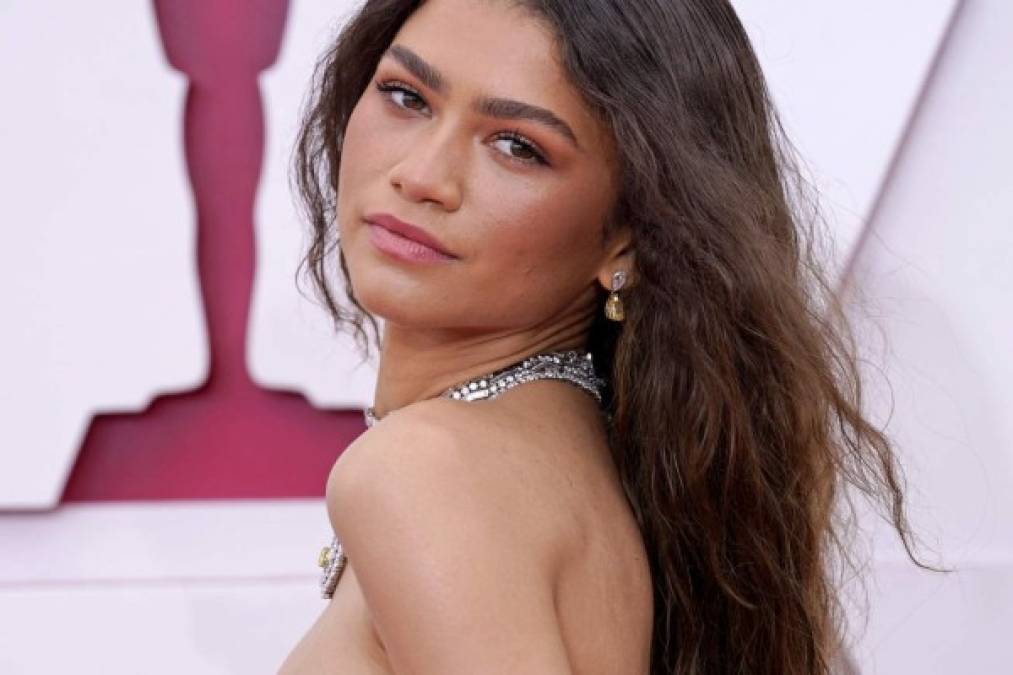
(418, 364)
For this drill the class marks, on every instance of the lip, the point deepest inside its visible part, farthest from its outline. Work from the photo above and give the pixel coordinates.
(408, 231)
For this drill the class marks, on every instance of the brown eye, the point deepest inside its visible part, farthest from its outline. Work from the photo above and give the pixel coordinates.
(519, 149)
(408, 99)
(402, 96)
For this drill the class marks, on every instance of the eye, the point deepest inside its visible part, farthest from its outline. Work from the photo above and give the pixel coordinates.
(394, 90)
(407, 98)
(517, 142)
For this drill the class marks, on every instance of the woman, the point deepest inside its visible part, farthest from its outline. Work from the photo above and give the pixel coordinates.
(503, 175)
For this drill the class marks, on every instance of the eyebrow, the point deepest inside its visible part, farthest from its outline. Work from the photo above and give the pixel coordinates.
(503, 108)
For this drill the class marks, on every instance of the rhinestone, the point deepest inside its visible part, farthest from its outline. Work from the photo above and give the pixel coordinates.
(473, 386)
(618, 279)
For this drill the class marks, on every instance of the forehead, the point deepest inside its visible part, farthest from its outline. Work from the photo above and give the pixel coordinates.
(498, 48)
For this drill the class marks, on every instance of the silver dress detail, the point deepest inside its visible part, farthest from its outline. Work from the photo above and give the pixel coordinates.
(570, 366)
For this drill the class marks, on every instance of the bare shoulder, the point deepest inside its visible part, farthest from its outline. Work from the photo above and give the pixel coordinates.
(450, 457)
(450, 543)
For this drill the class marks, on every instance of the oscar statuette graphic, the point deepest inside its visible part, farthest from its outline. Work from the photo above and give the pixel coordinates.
(229, 438)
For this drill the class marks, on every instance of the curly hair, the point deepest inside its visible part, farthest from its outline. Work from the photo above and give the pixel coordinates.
(734, 391)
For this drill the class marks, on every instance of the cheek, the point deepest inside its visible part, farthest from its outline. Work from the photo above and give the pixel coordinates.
(549, 233)
(539, 254)
(359, 139)
(362, 171)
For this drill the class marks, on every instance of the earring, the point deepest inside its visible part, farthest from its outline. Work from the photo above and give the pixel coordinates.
(614, 305)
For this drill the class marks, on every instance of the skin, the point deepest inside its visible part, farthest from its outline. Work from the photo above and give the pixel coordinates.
(507, 544)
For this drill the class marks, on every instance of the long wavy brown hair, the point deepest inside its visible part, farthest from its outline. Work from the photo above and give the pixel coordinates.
(734, 382)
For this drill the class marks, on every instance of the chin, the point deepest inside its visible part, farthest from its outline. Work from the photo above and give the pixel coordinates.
(399, 303)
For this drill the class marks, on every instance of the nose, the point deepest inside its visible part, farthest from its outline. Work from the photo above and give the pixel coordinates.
(430, 169)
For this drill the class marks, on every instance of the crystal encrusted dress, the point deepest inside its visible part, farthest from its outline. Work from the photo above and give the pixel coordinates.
(570, 366)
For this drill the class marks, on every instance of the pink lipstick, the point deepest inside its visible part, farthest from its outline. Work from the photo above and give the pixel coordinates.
(404, 241)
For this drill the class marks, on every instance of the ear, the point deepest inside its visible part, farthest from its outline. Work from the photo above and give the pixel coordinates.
(618, 256)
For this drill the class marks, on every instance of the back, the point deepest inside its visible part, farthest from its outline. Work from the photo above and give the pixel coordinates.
(604, 597)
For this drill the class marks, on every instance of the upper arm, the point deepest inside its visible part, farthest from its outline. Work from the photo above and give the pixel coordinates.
(452, 562)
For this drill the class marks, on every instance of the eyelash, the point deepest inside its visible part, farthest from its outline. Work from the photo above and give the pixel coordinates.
(385, 87)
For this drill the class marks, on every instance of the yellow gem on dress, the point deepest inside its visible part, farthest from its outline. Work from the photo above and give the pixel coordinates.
(324, 559)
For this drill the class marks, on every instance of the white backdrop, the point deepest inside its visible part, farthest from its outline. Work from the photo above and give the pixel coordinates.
(905, 131)
(100, 301)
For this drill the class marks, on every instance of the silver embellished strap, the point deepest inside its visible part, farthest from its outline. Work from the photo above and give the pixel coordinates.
(570, 366)
(332, 560)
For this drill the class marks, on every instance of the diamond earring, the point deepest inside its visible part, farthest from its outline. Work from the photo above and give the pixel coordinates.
(614, 305)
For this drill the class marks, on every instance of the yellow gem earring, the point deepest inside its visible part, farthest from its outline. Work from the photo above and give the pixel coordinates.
(614, 305)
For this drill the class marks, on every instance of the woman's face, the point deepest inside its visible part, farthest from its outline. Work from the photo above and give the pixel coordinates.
(515, 190)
